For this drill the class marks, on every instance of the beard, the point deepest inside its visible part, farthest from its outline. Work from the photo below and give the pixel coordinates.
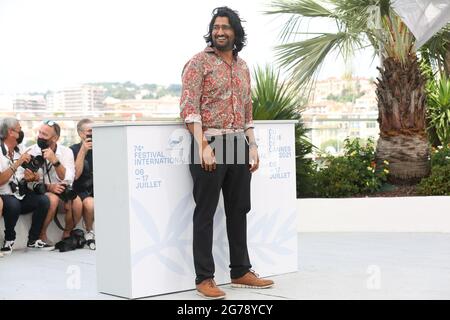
(224, 46)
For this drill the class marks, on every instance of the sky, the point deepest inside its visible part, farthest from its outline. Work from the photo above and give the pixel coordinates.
(50, 44)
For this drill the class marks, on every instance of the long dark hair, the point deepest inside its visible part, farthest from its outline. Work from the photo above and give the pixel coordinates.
(235, 22)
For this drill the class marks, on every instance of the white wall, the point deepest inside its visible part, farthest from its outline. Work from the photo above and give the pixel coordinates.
(401, 214)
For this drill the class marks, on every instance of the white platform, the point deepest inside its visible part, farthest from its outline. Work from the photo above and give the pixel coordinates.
(331, 266)
(401, 214)
(144, 207)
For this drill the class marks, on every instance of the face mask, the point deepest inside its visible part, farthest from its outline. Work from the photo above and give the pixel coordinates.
(20, 138)
(42, 143)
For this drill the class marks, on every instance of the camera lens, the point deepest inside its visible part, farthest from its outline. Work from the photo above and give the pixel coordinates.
(68, 194)
(39, 188)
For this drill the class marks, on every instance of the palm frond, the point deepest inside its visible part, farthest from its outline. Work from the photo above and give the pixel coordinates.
(298, 10)
(273, 99)
(436, 50)
(399, 41)
(305, 8)
(304, 58)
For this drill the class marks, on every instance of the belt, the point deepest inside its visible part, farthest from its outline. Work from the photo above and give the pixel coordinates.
(219, 132)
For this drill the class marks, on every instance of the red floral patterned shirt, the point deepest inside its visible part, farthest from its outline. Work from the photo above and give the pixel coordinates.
(216, 94)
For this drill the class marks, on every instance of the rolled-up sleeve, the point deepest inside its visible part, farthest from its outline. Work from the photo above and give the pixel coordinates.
(248, 104)
(191, 92)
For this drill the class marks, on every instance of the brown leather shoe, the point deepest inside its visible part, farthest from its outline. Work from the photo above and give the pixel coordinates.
(251, 280)
(208, 289)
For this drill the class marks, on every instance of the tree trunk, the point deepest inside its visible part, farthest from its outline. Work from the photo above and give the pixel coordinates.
(402, 120)
(407, 155)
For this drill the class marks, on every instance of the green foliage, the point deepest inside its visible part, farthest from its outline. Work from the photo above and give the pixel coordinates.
(438, 111)
(129, 90)
(438, 183)
(440, 156)
(304, 166)
(274, 99)
(347, 95)
(351, 174)
(435, 51)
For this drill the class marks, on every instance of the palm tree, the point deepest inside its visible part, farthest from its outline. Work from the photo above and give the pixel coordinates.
(274, 99)
(400, 87)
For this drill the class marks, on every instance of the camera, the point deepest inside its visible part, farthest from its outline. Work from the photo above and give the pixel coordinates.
(34, 164)
(68, 194)
(19, 189)
(37, 187)
(76, 240)
(89, 136)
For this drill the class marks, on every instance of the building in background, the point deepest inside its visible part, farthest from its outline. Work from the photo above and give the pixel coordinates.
(341, 108)
(164, 108)
(29, 103)
(82, 99)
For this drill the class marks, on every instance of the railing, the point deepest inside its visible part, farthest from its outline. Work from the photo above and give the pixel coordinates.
(328, 134)
(30, 124)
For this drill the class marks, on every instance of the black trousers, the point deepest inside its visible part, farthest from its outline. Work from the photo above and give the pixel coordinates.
(13, 208)
(232, 177)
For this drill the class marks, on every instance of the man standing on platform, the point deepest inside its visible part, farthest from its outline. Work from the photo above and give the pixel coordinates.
(216, 106)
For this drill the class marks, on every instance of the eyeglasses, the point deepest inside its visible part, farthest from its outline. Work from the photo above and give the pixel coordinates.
(50, 123)
(55, 126)
(224, 27)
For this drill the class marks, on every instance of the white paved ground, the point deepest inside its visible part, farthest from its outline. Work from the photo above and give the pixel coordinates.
(331, 266)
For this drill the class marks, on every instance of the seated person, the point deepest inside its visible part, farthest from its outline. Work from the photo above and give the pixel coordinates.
(57, 173)
(1, 210)
(16, 197)
(84, 182)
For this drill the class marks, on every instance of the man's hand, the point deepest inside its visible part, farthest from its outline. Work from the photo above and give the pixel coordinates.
(49, 155)
(207, 157)
(253, 159)
(86, 145)
(30, 176)
(56, 188)
(25, 157)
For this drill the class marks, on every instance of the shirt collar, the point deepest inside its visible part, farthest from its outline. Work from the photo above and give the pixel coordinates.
(7, 149)
(214, 50)
(58, 149)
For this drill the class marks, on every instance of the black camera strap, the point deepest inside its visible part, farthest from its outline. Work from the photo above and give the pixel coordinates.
(14, 184)
(11, 163)
(47, 169)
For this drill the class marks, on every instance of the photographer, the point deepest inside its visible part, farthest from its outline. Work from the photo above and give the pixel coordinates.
(84, 184)
(16, 197)
(57, 173)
